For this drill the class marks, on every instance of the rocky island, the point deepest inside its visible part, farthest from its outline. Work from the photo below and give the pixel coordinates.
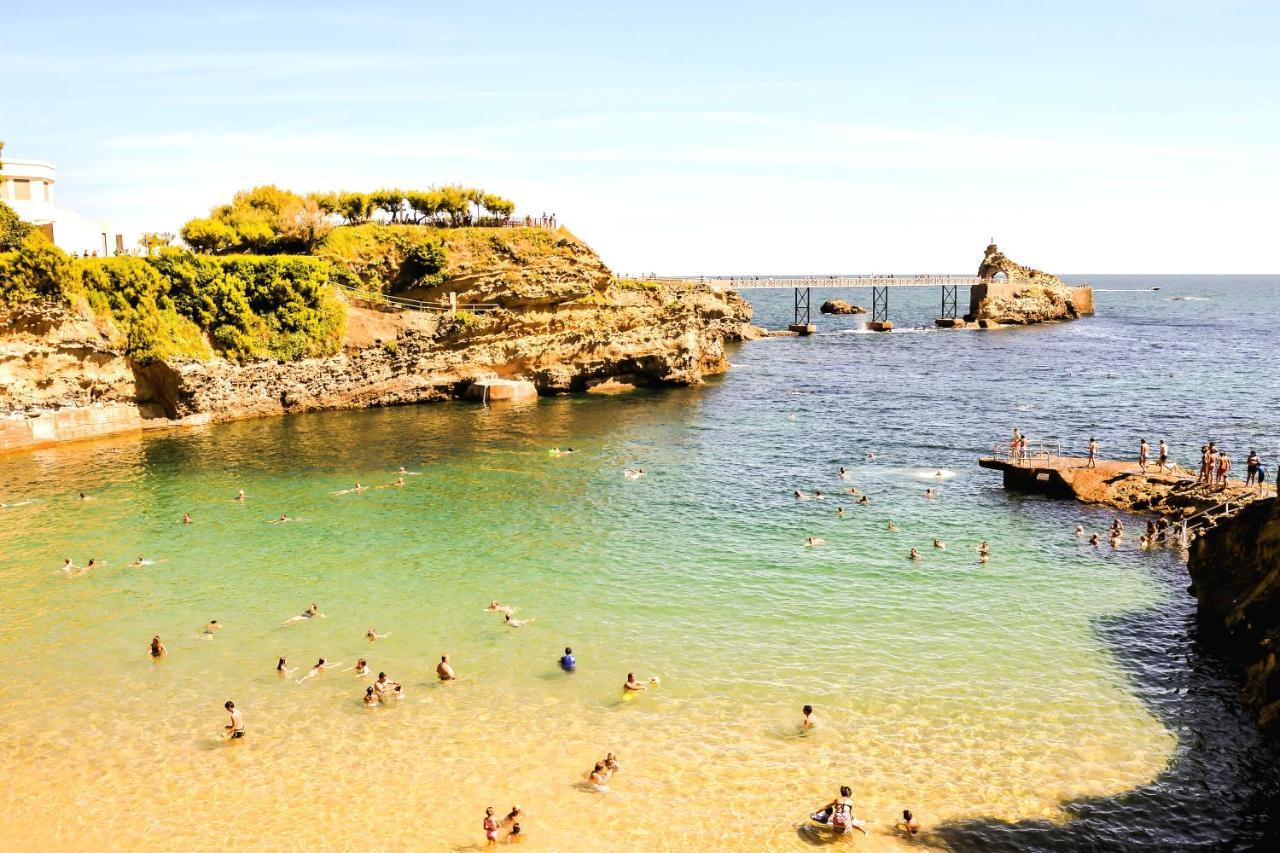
(1020, 295)
(371, 313)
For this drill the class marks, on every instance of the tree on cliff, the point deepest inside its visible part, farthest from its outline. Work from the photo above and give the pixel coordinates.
(13, 230)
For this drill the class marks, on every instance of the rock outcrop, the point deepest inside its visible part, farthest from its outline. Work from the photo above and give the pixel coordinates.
(1020, 295)
(839, 306)
(564, 325)
(1235, 573)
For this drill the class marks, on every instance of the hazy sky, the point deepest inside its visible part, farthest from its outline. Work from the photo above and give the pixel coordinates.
(691, 138)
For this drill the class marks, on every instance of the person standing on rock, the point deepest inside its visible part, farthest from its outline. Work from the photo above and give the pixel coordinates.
(1252, 464)
(1092, 461)
(1163, 459)
(1224, 469)
(1144, 451)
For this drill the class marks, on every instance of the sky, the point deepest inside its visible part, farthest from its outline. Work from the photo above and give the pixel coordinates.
(690, 138)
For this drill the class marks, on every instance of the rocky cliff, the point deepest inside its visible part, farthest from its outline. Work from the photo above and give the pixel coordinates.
(1235, 574)
(1020, 295)
(563, 324)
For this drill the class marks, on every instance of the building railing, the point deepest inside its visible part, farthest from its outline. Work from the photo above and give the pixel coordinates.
(1042, 450)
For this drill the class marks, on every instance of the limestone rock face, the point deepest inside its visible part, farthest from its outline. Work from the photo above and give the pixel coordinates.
(1017, 294)
(1235, 573)
(839, 306)
(564, 326)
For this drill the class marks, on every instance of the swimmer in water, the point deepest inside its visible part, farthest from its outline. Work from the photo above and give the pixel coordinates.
(819, 496)
(1093, 540)
(814, 540)
(210, 629)
(321, 666)
(283, 670)
(809, 721)
(843, 475)
(633, 685)
(984, 549)
(311, 612)
(941, 546)
(914, 555)
(357, 488)
(891, 527)
(1079, 529)
(235, 730)
(839, 512)
(372, 635)
(281, 520)
(864, 500)
(361, 667)
(445, 670)
(853, 490)
(908, 825)
(567, 661)
(399, 481)
(240, 495)
(633, 473)
(369, 698)
(511, 622)
(186, 518)
(800, 496)
(496, 607)
(611, 763)
(157, 647)
(384, 687)
(93, 564)
(67, 566)
(871, 457)
(937, 473)
(599, 777)
(930, 493)
(138, 562)
(84, 497)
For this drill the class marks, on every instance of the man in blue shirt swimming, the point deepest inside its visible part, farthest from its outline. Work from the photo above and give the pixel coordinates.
(568, 663)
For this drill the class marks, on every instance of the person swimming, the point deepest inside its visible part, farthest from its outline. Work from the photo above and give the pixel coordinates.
(68, 566)
(1079, 529)
(444, 669)
(211, 628)
(819, 496)
(361, 668)
(240, 495)
(814, 540)
(567, 661)
(138, 562)
(914, 555)
(496, 607)
(281, 520)
(399, 481)
(371, 635)
(311, 612)
(282, 668)
(633, 473)
(633, 685)
(843, 475)
(186, 518)
(370, 699)
(321, 666)
(839, 512)
(611, 763)
(1094, 540)
(941, 546)
(801, 496)
(864, 500)
(809, 721)
(512, 622)
(984, 549)
(891, 527)
(930, 494)
(157, 647)
(598, 778)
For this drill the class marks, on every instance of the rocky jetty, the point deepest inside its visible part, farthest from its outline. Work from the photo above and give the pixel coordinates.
(1020, 295)
(839, 306)
(1235, 574)
(564, 324)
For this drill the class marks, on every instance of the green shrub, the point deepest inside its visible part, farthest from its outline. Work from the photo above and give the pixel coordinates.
(13, 230)
(37, 270)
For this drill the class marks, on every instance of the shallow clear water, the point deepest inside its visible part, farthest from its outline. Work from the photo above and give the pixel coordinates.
(962, 691)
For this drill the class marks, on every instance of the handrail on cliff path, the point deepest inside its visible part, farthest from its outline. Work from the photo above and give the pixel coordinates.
(417, 304)
(1201, 519)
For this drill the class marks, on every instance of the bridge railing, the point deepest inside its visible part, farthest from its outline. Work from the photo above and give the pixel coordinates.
(406, 304)
(763, 282)
(1041, 450)
(1202, 519)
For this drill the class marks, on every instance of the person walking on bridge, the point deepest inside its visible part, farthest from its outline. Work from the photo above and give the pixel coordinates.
(1092, 461)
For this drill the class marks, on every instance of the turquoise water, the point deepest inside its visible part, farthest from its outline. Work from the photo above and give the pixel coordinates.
(958, 689)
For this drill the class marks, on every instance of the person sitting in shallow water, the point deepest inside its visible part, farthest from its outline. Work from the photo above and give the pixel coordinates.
(908, 825)
(809, 721)
(157, 647)
(444, 670)
(838, 814)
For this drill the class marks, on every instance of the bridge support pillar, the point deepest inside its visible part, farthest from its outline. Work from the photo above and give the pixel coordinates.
(803, 324)
(948, 319)
(880, 321)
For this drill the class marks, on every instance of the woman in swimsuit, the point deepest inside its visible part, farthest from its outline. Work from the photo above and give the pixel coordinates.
(369, 698)
(157, 647)
(490, 828)
(283, 670)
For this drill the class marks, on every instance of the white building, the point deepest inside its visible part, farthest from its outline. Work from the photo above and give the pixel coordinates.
(27, 187)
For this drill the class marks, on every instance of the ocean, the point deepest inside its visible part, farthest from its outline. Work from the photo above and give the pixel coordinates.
(1055, 697)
